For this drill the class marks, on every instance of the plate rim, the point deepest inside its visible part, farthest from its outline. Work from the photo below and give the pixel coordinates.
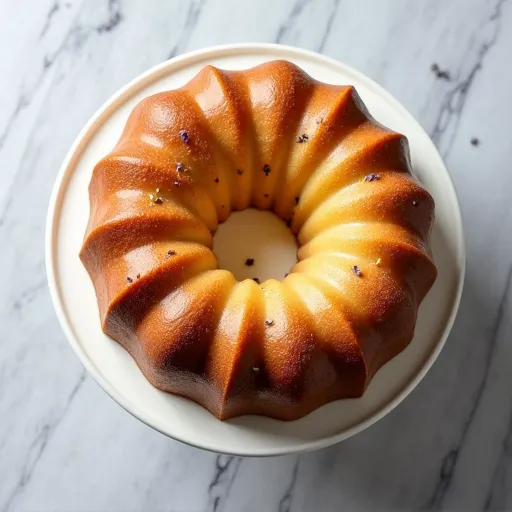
(76, 149)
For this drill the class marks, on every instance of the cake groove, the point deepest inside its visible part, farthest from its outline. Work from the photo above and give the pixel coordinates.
(343, 167)
(335, 125)
(120, 172)
(186, 262)
(235, 364)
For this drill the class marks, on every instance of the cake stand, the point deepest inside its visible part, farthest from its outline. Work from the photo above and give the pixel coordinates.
(179, 418)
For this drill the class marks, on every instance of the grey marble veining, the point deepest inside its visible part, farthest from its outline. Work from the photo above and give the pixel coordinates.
(65, 446)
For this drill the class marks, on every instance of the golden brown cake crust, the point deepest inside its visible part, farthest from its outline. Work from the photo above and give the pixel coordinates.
(271, 138)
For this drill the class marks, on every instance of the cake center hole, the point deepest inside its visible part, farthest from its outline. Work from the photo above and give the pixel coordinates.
(255, 244)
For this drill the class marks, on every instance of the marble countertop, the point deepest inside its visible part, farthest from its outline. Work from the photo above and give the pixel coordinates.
(66, 446)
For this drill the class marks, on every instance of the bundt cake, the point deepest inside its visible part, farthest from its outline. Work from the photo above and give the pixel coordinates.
(271, 138)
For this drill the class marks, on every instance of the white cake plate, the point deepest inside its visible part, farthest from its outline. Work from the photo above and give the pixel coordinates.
(179, 418)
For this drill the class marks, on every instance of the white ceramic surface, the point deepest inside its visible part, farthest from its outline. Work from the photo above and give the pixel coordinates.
(259, 235)
(181, 419)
